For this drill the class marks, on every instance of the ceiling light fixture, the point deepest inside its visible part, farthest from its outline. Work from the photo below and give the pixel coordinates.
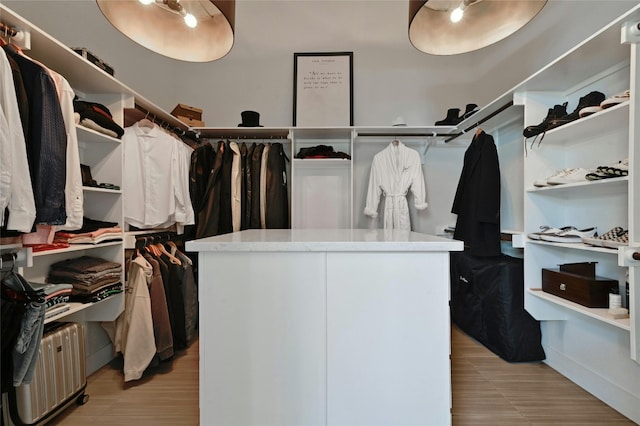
(160, 25)
(435, 28)
(458, 12)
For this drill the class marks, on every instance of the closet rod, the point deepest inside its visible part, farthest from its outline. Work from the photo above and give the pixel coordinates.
(160, 122)
(405, 134)
(6, 30)
(478, 123)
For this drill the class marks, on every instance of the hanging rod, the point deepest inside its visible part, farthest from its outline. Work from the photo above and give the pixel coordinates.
(420, 135)
(6, 30)
(478, 123)
(160, 122)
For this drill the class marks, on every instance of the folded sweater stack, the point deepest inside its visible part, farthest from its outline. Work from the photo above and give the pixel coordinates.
(93, 278)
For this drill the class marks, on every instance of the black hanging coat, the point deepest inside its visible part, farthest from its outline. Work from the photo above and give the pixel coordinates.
(477, 199)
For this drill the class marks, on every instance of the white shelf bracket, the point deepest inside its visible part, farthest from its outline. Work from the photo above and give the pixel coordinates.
(630, 32)
(628, 256)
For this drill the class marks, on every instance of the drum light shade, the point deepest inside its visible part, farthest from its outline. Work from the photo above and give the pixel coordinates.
(165, 26)
(480, 23)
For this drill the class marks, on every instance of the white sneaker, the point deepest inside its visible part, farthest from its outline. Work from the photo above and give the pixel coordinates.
(571, 235)
(616, 99)
(547, 230)
(571, 176)
(545, 182)
(589, 110)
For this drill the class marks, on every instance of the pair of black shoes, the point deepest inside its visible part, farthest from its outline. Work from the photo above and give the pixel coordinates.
(557, 116)
(454, 117)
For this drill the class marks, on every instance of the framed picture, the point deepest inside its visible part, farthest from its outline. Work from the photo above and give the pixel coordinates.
(323, 89)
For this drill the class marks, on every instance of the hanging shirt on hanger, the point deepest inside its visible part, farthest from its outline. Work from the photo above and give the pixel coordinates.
(394, 171)
(16, 192)
(153, 191)
(236, 187)
(46, 141)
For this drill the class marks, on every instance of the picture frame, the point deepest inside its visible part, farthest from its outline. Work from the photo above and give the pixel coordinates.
(323, 89)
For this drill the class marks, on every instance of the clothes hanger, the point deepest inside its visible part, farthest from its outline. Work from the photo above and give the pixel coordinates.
(478, 131)
(174, 247)
(145, 122)
(161, 248)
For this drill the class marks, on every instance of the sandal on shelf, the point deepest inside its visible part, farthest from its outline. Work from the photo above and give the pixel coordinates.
(610, 235)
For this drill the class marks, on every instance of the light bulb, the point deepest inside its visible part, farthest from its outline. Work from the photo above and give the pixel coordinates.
(456, 14)
(190, 20)
(146, 2)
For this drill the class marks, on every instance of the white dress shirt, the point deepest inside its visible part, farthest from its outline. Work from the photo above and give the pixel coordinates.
(236, 187)
(155, 178)
(263, 186)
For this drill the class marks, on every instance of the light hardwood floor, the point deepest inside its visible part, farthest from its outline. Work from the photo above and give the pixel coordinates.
(486, 391)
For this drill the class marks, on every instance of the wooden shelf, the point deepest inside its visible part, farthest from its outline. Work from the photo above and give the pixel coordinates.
(87, 135)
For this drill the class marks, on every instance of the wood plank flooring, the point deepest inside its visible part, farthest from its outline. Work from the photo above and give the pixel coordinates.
(486, 391)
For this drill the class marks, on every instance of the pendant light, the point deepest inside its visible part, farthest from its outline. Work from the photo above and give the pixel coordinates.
(187, 30)
(450, 27)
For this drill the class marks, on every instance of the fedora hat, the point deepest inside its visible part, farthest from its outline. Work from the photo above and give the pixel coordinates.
(250, 119)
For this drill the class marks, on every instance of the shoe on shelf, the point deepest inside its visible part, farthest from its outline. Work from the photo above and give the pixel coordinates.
(589, 110)
(469, 110)
(611, 234)
(621, 168)
(618, 241)
(452, 118)
(616, 99)
(573, 175)
(571, 235)
(598, 175)
(589, 100)
(552, 114)
(546, 230)
(540, 183)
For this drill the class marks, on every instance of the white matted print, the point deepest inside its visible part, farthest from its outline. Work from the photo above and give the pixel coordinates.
(323, 89)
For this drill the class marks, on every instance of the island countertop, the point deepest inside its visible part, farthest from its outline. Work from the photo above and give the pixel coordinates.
(278, 240)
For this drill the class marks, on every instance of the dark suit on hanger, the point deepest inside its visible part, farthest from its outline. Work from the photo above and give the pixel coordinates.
(208, 221)
(244, 222)
(477, 199)
(202, 161)
(277, 198)
(256, 166)
(248, 188)
(226, 216)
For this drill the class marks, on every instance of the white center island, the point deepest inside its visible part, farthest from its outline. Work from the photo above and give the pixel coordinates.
(324, 327)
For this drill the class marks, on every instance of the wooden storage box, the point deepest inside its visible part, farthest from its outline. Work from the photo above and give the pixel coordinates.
(191, 122)
(578, 283)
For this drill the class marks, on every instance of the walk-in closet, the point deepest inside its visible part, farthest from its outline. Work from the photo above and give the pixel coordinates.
(311, 212)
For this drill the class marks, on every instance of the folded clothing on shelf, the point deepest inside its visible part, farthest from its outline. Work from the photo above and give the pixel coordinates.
(321, 151)
(98, 114)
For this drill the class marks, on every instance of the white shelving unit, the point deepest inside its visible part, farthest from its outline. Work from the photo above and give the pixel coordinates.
(103, 154)
(589, 346)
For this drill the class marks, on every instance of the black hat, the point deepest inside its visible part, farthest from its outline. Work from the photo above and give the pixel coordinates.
(250, 119)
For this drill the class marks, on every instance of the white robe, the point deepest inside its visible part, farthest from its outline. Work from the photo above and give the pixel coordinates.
(394, 171)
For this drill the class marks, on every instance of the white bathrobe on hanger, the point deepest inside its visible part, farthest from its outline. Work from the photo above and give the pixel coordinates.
(394, 171)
